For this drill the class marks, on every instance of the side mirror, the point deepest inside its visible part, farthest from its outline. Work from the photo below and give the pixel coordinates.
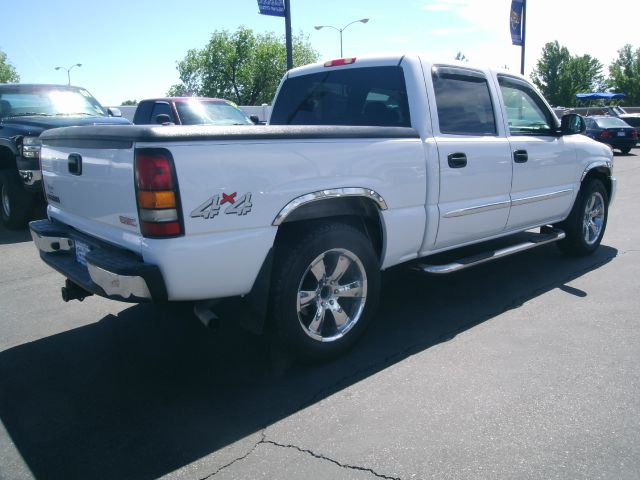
(572, 124)
(163, 119)
(114, 112)
(255, 119)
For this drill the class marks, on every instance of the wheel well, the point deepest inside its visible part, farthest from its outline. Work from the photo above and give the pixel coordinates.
(359, 212)
(7, 158)
(602, 174)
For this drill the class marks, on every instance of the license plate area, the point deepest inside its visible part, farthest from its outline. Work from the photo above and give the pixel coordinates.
(621, 134)
(81, 249)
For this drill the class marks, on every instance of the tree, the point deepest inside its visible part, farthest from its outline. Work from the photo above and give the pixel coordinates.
(461, 56)
(8, 73)
(240, 66)
(549, 72)
(129, 103)
(624, 74)
(559, 75)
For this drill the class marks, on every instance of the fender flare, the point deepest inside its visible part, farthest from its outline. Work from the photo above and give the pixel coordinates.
(327, 194)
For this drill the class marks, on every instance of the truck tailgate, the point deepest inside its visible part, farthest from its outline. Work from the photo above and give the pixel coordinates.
(92, 189)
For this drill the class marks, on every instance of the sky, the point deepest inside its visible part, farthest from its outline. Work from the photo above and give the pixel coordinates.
(129, 49)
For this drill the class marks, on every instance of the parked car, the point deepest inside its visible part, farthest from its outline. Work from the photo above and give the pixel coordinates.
(366, 164)
(189, 111)
(612, 131)
(632, 119)
(27, 110)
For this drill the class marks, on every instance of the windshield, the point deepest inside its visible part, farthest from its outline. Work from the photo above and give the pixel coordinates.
(210, 113)
(48, 100)
(611, 122)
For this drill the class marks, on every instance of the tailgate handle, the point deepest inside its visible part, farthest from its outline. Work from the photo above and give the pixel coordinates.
(75, 164)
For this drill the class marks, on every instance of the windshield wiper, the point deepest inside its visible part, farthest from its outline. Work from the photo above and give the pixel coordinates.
(31, 114)
(76, 113)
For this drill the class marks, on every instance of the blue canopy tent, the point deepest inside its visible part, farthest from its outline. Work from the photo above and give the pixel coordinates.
(600, 96)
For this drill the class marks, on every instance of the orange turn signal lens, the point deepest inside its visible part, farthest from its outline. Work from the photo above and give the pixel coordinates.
(162, 199)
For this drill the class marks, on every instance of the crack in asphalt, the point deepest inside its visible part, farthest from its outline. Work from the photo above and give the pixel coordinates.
(335, 462)
(235, 460)
(264, 441)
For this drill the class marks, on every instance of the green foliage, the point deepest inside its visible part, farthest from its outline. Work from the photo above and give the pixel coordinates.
(560, 75)
(8, 73)
(461, 57)
(242, 66)
(129, 103)
(624, 74)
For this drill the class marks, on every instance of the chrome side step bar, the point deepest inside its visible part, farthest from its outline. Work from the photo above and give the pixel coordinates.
(548, 235)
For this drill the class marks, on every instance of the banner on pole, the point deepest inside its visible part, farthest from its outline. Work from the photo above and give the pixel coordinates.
(515, 22)
(275, 8)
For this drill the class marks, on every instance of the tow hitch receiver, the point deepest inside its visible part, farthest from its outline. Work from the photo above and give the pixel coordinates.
(73, 291)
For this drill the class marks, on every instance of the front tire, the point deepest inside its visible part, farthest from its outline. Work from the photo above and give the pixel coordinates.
(15, 201)
(587, 221)
(326, 288)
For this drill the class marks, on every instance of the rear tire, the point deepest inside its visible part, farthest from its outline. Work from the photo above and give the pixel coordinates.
(15, 201)
(625, 150)
(326, 288)
(587, 221)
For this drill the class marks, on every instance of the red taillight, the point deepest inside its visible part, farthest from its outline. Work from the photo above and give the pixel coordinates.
(153, 172)
(156, 194)
(604, 134)
(634, 133)
(340, 61)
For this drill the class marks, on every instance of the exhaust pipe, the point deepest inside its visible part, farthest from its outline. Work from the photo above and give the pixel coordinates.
(73, 291)
(203, 310)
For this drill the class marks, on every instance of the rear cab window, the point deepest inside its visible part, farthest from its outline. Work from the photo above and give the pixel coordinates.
(365, 96)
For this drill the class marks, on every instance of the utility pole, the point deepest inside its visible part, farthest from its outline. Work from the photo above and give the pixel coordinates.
(524, 35)
(287, 27)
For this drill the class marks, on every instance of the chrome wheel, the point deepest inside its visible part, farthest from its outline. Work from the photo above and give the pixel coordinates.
(593, 220)
(332, 295)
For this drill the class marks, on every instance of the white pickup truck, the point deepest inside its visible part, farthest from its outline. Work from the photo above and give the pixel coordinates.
(367, 163)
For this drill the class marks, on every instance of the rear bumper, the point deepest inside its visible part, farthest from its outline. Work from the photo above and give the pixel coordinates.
(110, 272)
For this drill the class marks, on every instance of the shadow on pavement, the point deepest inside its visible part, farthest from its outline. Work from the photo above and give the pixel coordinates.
(146, 392)
(13, 236)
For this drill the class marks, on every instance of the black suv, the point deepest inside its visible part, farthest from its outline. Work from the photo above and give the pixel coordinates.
(25, 112)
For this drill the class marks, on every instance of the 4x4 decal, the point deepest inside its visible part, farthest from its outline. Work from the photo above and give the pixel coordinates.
(211, 207)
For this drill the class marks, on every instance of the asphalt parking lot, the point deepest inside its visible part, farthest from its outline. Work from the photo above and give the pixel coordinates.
(521, 368)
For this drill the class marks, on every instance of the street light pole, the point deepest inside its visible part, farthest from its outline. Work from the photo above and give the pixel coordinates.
(69, 71)
(340, 30)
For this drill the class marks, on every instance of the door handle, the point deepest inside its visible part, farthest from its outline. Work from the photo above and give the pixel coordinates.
(75, 164)
(457, 160)
(520, 156)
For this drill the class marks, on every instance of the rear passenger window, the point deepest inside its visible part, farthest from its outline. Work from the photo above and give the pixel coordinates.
(463, 102)
(375, 96)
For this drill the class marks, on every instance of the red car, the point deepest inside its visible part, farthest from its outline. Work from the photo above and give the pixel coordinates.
(189, 111)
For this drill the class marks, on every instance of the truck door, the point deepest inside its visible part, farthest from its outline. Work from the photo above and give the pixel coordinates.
(544, 164)
(474, 158)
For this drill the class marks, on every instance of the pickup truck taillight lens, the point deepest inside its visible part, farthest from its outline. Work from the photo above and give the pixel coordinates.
(157, 194)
